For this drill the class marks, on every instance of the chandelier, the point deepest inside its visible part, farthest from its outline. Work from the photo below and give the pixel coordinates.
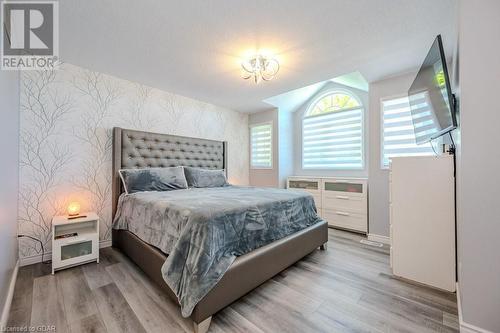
(260, 68)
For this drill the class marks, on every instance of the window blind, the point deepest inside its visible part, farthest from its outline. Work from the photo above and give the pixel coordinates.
(333, 140)
(426, 125)
(398, 132)
(261, 140)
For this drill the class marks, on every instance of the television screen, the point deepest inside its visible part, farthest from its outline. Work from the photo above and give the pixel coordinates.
(431, 100)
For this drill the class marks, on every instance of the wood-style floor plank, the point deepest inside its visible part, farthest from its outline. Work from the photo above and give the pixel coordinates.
(78, 299)
(116, 313)
(48, 304)
(158, 295)
(348, 288)
(96, 275)
(152, 317)
(90, 324)
(230, 321)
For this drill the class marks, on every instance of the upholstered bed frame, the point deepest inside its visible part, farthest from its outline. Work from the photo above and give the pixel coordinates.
(137, 149)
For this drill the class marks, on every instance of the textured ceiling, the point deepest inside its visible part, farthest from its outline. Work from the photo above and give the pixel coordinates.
(193, 48)
(292, 100)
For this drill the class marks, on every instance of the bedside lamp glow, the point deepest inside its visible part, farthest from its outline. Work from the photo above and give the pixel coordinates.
(73, 209)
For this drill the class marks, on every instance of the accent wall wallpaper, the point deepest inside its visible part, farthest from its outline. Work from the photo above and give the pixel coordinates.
(67, 118)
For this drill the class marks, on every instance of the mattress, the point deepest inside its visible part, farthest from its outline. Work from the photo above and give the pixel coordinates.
(204, 230)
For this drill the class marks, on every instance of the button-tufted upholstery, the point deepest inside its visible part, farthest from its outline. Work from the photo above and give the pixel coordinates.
(142, 149)
(138, 149)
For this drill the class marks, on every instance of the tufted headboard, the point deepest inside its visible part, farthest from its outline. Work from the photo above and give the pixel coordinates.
(138, 149)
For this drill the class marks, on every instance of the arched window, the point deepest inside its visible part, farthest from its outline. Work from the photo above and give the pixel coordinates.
(332, 132)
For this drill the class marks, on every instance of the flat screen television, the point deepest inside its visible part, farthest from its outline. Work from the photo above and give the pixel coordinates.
(431, 100)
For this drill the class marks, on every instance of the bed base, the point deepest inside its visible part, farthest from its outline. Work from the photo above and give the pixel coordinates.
(203, 326)
(246, 273)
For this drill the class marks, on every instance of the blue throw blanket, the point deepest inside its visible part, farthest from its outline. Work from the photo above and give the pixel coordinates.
(203, 230)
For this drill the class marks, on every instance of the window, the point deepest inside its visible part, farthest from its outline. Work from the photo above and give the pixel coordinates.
(398, 136)
(261, 146)
(332, 133)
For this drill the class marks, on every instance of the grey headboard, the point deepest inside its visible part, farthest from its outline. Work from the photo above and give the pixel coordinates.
(138, 149)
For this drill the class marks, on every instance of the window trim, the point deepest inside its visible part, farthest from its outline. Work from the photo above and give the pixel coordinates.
(270, 122)
(363, 129)
(381, 129)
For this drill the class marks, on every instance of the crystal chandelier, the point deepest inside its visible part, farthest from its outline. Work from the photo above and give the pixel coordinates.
(260, 68)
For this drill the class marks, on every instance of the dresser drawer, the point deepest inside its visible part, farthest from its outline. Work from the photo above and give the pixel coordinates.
(317, 200)
(348, 220)
(316, 195)
(304, 184)
(344, 188)
(345, 203)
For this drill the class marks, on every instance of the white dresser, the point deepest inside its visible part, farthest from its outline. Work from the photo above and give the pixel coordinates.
(342, 202)
(422, 220)
(307, 184)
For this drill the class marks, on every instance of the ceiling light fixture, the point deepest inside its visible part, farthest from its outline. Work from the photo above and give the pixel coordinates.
(259, 68)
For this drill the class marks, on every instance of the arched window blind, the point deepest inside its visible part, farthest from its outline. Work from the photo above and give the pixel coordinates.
(332, 133)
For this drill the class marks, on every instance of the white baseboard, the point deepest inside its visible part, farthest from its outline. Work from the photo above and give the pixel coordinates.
(10, 295)
(379, 238)
(466, 327)
(25, 261)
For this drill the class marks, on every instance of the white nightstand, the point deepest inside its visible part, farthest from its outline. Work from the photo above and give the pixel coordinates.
(82, 247)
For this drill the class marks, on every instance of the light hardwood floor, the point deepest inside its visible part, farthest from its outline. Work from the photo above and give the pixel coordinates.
(348, 288)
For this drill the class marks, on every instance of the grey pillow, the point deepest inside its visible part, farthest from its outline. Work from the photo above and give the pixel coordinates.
(153, 179)
(197, 177)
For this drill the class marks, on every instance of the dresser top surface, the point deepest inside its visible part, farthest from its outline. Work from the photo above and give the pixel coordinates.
(327, 178)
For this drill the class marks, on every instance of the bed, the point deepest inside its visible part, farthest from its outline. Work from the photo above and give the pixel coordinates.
(138, 149)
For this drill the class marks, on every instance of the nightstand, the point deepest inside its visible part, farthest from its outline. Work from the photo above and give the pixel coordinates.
(75, 241)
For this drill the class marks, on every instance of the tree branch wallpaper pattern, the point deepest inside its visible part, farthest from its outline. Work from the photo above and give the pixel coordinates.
(67, 118)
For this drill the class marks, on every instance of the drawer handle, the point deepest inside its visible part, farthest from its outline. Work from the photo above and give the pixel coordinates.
(343, 213)
(343, 197)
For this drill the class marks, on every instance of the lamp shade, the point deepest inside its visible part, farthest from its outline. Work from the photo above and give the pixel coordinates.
(73, 208)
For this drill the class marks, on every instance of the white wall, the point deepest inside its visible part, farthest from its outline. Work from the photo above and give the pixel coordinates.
(297, 153)
(379, 178)
(9, 146)
(266, 177)
(479, 169)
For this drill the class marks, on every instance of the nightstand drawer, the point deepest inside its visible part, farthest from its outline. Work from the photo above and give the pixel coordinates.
(73, 250)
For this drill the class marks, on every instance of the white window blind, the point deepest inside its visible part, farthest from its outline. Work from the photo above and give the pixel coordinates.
(333, 140)
(261, 146)
(426, 125)
(398, 133)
